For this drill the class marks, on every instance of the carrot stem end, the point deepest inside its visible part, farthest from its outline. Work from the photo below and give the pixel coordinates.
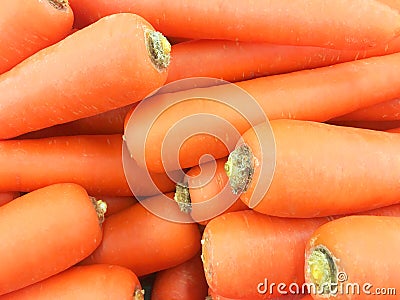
(100, 207)
(139, 294)
(59, 4)
(159, 49)
(182, 197)
(239, 168)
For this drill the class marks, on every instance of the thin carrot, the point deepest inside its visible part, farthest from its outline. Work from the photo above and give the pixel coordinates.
(46, 232)
(183, 282)
(92, 161)
(100, 282)
(116, 204)
(374, 125)
(118, 75)
(320, 23)
(316, 95)
(312, 161)
(237, 61)
(29, 26)
(6, 197)
(356, 251)
(145, 243)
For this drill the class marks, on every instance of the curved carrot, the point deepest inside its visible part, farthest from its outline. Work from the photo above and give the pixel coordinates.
(374, 125)
(312, 161)
(84, 282)
(320, 23)
(45, 232)
(316, 95)
(356, 250)
(183, 282)
(29, 26)
(93, 161)
(145, 243)
(118, 75)
(236, 61)
(116, 204)
(6, 197)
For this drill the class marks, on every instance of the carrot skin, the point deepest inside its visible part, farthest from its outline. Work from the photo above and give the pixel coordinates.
(29, 26)
(40, 226)
(95, 282)
(25, 88)
(6, 197)
(116, 204)
(374, 125)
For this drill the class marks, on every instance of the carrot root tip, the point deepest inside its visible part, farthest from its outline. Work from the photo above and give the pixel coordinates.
(101, 208)
(159, 49)
(182, 197)
(139, 295)
(239, 168)
(59, 4)
(322, 270)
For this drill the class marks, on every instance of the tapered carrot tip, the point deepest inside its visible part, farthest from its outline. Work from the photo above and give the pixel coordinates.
(159, 49)
(182, 197)
(59, 4)
(322, 269)
(139, 295)
(101, 208)
(239, 168)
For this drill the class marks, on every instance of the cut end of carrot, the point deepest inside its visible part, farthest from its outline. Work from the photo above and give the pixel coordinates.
(139, 295)
(182, 197)
(239, 168)
(101, 208)
(322, 270)
(159, 49)
(59, 4)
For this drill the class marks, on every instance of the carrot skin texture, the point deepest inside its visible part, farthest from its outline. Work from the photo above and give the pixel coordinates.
(29, 26)
(92, 282)
(332, 157)
(363, 248)
(116, 204)
(334, 24)
(118, 76)
(183, 282)
(91, 161)
(137, 239)
(38, 226)
(6, 197)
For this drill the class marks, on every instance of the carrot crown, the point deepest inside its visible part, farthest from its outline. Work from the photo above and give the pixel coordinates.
(59, 4)
(139, 295)
(182, 197)
(159, 49)
(100, 207)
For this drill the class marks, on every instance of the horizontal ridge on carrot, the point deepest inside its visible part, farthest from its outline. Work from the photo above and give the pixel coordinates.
(335, 24)
(46, 232)
(83, 75)
(320, 169)
(29, 26)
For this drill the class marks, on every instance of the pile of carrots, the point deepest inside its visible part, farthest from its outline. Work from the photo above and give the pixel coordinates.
(299, 199)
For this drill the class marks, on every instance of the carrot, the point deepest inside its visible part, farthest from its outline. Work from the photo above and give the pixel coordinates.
(118, 75)
(237, 61)
(29, 26)
(205, 192)
(183, 282)
(355, 253)
(46, 232)
(374, 125)
(116, 204)
(6, 197)
(394, 130)
(144, 242)
(84, 282)
(312, 161)
(91, 161)
(109, 122)
(333, 24)
(316, 95)
(213, 296)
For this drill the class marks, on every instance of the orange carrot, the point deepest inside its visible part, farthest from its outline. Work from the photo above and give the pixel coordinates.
(6, 197)
(46, 232)
(316, 95)
(99, 282)
(394, 130)
(237, 61)
(91, 161)
(116, 204)
(312, 161)
(93, 77)
(183, 282)
(320, 23)
(145, 243)
(374, 125)
(355, 254)
(29, 26)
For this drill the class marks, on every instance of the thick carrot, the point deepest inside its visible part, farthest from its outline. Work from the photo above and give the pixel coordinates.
(319, 23)
(118, 75)
(145, 243)
(183, 282)
(316, 95)
(97, 282)
(46, 232)
(93, 161)
(206, 193)
(116, 204)
(6, 197)
(374, 125)
(29, 26)
(237, 61)
(355, 253)
(320, 169)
